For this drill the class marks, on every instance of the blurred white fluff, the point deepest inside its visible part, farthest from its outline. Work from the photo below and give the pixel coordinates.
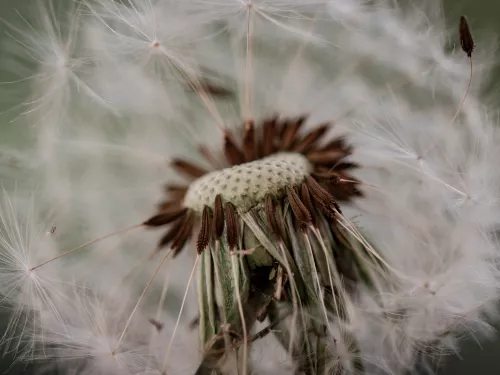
(112, 102)
(27, 294)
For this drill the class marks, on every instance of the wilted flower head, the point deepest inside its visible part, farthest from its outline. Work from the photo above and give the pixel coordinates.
(323, 172)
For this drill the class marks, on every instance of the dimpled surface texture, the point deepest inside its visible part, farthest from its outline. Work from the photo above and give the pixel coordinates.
(246, 185)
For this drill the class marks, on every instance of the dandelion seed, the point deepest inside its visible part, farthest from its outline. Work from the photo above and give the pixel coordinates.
(31, 296)
(465, 35)
(60, 64)
(467, 44)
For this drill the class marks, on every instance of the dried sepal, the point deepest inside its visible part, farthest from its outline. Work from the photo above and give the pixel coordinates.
(185, 232)
(168, 205)
(280, 220)
(337, 144)
(269, 134)
(306, 199)
(330, 157)
(299, 210)
(249, 142)
(209, 157)
(175, 189)
(324, 199)
(329, 177)
(189, 169)
(169, 236)
(233, 154)
(165, 217)
(290, 133)
(270, 213)
(346, 165)
(308, 142)
(176, 192)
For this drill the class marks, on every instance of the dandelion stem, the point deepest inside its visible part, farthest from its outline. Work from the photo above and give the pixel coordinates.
(86, 244)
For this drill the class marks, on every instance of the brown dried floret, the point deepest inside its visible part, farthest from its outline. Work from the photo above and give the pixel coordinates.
(233, 154)
(218, 223)
(187, 168)
(231, 226)
(204, 234)
(299, 210)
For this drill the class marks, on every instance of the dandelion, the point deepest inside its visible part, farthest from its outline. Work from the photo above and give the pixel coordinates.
(297, 187)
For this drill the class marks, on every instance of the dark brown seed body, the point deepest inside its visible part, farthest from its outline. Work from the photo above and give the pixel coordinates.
(218, 217)
(466, 40)
(204, 234)
(231, 226)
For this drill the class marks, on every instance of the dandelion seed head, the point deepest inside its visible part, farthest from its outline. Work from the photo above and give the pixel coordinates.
(344, 199)
(246, 185)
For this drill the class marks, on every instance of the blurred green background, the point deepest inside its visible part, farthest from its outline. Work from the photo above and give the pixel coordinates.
(483, 16)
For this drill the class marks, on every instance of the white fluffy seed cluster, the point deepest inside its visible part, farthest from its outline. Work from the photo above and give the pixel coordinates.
(105, 89)
(246, 185)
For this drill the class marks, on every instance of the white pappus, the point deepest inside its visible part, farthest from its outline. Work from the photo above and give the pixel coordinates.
(324, 173)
